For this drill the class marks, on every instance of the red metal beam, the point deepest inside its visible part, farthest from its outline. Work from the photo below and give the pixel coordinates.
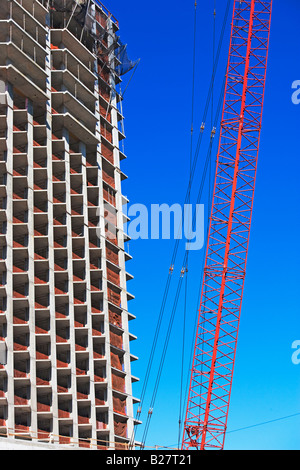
(226, 257)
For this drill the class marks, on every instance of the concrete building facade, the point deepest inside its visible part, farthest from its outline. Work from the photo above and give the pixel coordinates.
(65, 361)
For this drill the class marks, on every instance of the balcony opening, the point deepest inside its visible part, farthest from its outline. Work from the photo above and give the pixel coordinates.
(21, 395)
(100, 398)
(21, 367)
(82, 366)
(63, 382)
(20, 316)
(99, 373)
(64, 407)
(63, 359)
(62, 334)
(42, 325)
(22, 422)
(40, 229)
(20, 101)
(44, 401)
(84, 414)
(98, 349)
(45, 427)
(61, 310)
(65, 433)
(97, 327)
(42, 350)
(83, 391)
(80, 319)
(21, 342)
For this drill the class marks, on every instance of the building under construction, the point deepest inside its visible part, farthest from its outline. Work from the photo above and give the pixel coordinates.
(65, 361)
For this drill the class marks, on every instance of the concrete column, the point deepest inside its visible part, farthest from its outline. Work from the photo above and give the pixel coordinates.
(70, 290)
(31, 287)
(9, 261)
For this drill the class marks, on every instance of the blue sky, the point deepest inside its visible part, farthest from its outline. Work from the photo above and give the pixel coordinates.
(157, 109)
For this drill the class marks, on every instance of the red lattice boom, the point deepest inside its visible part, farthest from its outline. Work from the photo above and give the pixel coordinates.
(224, 273)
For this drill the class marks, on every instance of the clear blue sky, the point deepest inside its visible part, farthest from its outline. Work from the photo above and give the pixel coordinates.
(157, 109)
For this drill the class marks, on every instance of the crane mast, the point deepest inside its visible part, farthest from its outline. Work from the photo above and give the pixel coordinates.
(226, 256)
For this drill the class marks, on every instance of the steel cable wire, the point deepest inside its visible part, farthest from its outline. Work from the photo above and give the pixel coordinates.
(176, 247)
(186, 255)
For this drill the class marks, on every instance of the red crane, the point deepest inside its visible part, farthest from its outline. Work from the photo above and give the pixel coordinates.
(228, 239)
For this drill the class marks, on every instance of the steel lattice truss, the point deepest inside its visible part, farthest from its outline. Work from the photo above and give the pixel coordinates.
(224, 273)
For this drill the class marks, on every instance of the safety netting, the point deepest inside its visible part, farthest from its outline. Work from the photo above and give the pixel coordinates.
(120, 429)
(125, 64)
(119, 405)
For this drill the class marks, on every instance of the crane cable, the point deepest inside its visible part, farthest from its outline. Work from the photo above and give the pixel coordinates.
(180, 419)
(181, 408)
(207, 165)
(150, 412)
(167, 336)
(182, 356)
(163, 356)
(193, 86)
(189, 188)
(199, 297)
(175, 251)
(190, 175)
